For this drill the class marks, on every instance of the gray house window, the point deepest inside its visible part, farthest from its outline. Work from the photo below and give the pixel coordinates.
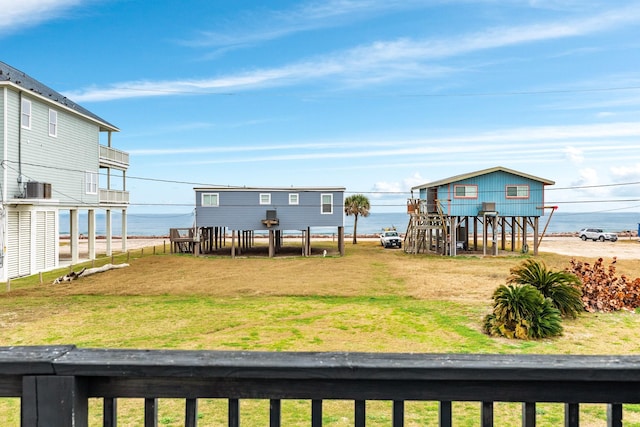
(294, 199)
(327, 203)
(25, 121)
(210, 199)
(53, 123)
(265, 198)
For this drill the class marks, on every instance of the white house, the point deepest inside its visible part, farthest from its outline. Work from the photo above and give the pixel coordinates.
(56, 156)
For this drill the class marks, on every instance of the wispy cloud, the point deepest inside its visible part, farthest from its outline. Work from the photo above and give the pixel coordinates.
(19, 14)
(379, 61)
(561, 139)
(304, 17)
(541, 145)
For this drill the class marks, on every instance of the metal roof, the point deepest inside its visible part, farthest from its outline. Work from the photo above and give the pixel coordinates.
(273, 189)
(15, 77)
(468, 175)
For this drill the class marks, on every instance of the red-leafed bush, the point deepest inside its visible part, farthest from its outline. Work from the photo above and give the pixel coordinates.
(602, 290)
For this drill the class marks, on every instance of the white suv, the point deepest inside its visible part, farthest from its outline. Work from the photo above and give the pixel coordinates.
(597, 234)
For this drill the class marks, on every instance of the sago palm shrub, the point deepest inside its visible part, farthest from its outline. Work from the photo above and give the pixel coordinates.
(521, 311)
(562, 287)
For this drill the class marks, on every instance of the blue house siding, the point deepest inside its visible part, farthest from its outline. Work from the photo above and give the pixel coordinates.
(489, 186)
(241, 209)
(492, 188)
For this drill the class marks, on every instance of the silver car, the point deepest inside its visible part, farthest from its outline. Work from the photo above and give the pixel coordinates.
(597, 234)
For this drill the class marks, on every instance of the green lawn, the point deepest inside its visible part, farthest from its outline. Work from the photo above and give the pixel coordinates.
(370, 300)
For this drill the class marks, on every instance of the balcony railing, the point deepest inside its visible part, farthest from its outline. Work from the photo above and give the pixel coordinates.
(114, 196)
(55, 383)
(114, 158)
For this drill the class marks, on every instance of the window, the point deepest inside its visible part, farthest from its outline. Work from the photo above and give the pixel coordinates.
(210, 199)
(26, 114)
(327, 203)
(53, 123)
(265, 198)
(465, 191)
(294, 199)
(91, 182)
(517, 191)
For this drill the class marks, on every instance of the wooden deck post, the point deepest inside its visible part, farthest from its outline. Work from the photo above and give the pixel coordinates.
(536, 236)
(54, 401)
(233, 244)
(271, 244)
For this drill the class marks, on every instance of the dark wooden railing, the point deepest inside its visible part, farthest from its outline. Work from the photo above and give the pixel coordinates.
(55, 383)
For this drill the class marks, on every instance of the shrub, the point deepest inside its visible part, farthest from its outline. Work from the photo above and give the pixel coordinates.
(521, 311)
(563, 288)
(602, 290)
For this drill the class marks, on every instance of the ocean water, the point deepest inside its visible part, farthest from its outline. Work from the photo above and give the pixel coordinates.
(160, 223)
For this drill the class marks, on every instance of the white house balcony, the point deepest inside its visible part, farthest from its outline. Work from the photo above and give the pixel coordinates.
(110, 157)
(116, 197)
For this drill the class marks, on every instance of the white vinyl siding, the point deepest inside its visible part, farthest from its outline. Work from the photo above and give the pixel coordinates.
(45, 240)
(53, 123)
(91, 182)
(327, 204)
(210, 199)
(25, 120)
(265, 198)
(19, 243)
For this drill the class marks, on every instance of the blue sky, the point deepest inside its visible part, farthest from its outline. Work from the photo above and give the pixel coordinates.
(375, 96)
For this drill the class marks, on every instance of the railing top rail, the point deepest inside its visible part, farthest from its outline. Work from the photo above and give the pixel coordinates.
(107, 148)
(69, 360)
(31, 360)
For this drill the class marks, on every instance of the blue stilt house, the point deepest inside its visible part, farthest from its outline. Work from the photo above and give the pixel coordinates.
(494, 203)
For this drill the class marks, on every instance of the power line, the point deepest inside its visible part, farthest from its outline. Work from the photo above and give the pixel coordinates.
(370, 192)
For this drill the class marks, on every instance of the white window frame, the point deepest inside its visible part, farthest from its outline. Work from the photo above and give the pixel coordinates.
(210, 197)
(26, 110)
(473, 194)
(323, 204)
(265, 198)
(522, 191)
(90, 182)
(53, 123)
(294, 199)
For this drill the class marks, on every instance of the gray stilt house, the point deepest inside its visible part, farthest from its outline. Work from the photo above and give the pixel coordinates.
(272, 210)
(54, 155)
(497, 203)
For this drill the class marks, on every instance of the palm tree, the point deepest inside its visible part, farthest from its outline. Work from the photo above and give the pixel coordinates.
(356, 205)
(563, 288)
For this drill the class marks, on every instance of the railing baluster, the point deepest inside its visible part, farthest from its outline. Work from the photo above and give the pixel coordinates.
(150, 412)
(316, 413)
(571, 415)
(275, 409)
(614, 415)
(398, 413)
(110, 412)
(360, 413)
(487, 414)
(191, 413)
(234, 413)
(528, 414)
(444, 414)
